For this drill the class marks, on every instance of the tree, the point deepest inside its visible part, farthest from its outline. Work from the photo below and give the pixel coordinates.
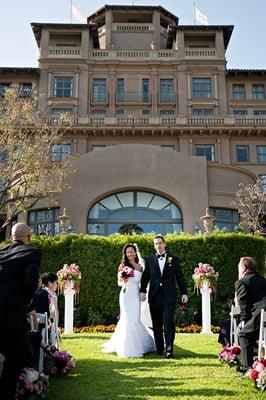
(27, 174)
(251, 205)
(130, 229)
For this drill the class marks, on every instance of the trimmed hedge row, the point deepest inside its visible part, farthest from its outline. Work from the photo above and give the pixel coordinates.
(98, 258)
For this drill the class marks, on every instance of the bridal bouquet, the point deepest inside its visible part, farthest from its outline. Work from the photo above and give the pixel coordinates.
(125, 273)
(205, 273)
(230, 355)
(258, 374)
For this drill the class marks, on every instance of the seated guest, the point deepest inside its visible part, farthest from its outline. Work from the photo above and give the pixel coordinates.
(251, 298)
(40, 301)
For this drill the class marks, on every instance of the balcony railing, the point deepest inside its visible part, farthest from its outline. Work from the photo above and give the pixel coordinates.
(64, 51)
(133, 97)
(200, 52)
(138, 120)
(132, 27)
(163, 55)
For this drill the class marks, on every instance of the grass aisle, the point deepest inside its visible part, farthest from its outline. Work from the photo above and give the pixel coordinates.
(195, 373)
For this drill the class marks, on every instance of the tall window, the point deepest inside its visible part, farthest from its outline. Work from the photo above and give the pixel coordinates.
(240, 112)
(166, 91)
(259, 112)
(99, 91)
(44, 222)
(206, 150)
(134, 211)
(167, 112)
(63, 86)
(228, 219)
(239, 92)
(25, 90)
(60, 151)
(261, 154)
(205, 112)
(262, 183)
(3, 88)
(146, 90)
(242, 154)
(202, 87)
(120, 90)
(258, 92)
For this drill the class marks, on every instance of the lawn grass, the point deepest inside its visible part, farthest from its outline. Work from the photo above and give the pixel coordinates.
(195, 373)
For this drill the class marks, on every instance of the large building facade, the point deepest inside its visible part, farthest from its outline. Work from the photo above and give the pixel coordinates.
(162, 128)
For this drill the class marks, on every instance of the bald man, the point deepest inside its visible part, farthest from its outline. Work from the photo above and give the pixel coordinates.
(19, 271)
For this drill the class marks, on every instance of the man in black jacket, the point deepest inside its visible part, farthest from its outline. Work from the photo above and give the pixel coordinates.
(163, 273)
(251, 297)
(19, 271)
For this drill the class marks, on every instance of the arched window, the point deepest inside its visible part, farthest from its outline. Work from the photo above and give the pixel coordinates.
(134, 211)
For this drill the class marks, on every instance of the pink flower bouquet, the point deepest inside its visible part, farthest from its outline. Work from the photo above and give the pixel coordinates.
(69, 273)
(230, 355)
(58, 363)
(31, 382)
(205, 273)
(258, 374)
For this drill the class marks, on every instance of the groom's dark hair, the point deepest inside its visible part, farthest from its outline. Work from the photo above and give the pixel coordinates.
(159, 237)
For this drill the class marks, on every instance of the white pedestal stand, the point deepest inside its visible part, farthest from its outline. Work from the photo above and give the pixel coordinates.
(206, 308)
(69, 307)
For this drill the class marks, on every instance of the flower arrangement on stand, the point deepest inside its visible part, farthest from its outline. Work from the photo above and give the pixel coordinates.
(58, 363)
(230, 355)
(258, 374)
(31, 383)
(67, 276)
(205, 273)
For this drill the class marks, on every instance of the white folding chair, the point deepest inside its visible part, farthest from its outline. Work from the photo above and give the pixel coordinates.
(54, 338)
(43, 319)
(262, 335)
(235, 310)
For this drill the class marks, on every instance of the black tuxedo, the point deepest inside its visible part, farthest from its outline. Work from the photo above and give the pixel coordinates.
(19, 272)
(162, 296)
(251, 296)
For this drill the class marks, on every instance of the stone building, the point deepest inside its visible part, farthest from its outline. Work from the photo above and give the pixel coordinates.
(162, 128)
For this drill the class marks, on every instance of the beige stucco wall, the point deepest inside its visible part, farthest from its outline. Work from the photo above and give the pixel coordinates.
(223, 182)
(181, 178)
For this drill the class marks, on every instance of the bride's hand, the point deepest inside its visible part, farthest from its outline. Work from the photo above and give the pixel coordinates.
(121, 266)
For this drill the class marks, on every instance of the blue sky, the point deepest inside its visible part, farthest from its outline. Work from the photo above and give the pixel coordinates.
(247, 47)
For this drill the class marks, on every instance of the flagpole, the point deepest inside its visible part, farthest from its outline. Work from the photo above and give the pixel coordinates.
(194, 13)
(70, 14)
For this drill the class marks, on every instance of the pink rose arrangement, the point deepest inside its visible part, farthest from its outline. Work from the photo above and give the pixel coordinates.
(258, 374)
(69, 273)
(230, 355)
(58, 362)
(205, 273)
(31, 382)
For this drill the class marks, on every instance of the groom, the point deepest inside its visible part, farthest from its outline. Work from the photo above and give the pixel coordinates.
(163, 272)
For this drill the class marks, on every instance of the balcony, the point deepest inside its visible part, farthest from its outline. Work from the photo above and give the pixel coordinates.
(182, 121)
(64, 52)
(132, 27)
(133, 97)
(138, 55)
(199, 53)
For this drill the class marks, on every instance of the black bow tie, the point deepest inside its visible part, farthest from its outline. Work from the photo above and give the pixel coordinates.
(161, 256)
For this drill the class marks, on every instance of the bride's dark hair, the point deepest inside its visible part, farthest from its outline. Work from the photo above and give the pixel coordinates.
(125, 260)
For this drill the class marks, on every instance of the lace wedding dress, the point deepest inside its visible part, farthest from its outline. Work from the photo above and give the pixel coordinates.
(131, 338)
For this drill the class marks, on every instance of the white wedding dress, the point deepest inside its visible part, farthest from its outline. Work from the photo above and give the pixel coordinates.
(131, 338)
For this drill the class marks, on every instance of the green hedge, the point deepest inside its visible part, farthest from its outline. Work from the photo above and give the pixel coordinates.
(98, 258)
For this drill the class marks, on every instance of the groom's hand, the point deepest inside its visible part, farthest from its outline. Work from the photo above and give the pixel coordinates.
(184, 298)
(143, 296)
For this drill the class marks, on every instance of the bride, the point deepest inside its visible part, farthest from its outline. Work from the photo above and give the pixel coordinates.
(131, 338)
